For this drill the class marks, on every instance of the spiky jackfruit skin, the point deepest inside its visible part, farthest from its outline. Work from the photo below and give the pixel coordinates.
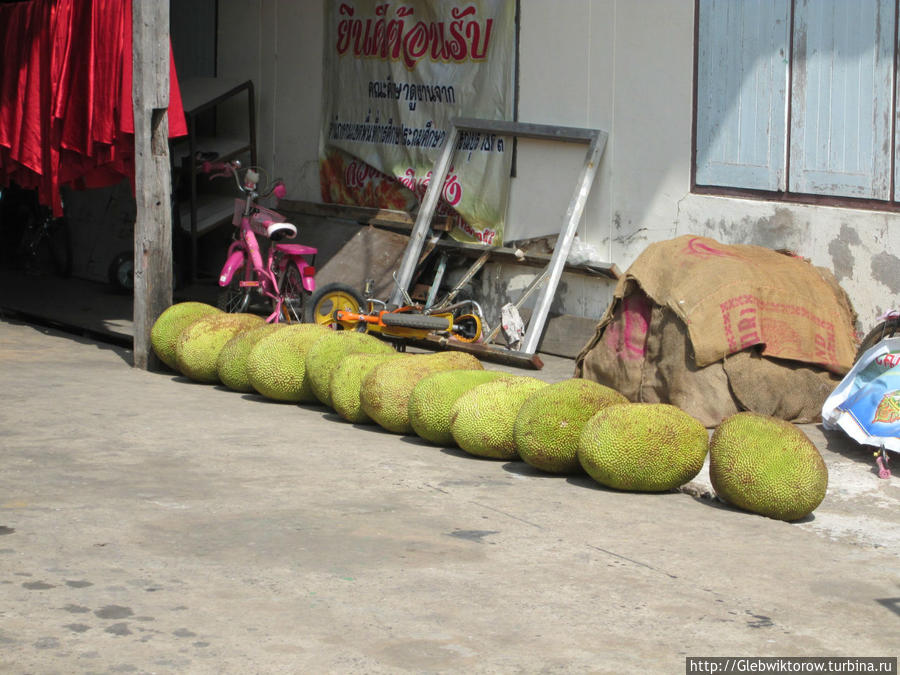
(346, 383)
(767, 466)
(482, 419)
(168, 326)
(325, 356)
(434, 396)
(550, 421)
(232, 362)
(642, 447)
(276, 365)
(386, 390)
(199, 344)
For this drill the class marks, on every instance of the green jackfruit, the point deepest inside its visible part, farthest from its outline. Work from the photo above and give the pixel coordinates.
(276, 365)
(385, 391)
(346, 383)
(168, 326)
(199, 344)
(482, 419)
(550, 421)
(232, 362)
(325, 356)
(643, 447)
(434, 396)
(767, 466)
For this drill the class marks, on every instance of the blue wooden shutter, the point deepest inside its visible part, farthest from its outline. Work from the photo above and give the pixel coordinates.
(841, 106)
(741, 93)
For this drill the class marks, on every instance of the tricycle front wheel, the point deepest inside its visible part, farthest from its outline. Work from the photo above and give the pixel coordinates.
(327, 300)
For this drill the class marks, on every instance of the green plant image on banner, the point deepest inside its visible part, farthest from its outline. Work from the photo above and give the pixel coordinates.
(396, 74)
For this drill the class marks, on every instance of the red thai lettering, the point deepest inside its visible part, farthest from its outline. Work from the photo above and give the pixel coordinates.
(357, 173)
(451, 192)
(415, 44)
(888, 360)
(473, 30)
(456, 48)
(392, 47)
(464, 38)
(439, 51)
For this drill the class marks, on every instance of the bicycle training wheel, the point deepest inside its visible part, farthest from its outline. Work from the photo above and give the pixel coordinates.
(330, 298)
(235, 298)
(121, 272)
(293, 293)
(886, 329)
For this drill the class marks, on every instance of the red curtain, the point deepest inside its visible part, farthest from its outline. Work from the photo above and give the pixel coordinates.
(66, 113)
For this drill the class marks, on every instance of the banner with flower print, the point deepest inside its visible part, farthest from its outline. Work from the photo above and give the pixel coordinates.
(396, 74)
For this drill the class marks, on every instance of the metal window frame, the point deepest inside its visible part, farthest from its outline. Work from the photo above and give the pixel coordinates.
(596, 142)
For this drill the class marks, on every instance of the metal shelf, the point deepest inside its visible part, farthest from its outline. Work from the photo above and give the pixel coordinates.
(212, 211)
(201, 213)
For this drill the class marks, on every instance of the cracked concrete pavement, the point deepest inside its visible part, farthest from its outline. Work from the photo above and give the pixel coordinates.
(153, 525)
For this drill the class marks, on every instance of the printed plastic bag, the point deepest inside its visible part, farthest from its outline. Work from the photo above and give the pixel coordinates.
(866, 404)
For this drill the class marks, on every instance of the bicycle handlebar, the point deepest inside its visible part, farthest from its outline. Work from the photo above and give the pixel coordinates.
(251, 178)
(222, 168)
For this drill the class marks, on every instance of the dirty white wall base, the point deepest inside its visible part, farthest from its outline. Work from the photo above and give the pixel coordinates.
(618, 65)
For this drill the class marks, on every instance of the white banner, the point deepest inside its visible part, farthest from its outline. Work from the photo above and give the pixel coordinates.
(396, 74)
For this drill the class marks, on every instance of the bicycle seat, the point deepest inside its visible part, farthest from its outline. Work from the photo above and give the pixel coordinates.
(279, 231)
(296, 249)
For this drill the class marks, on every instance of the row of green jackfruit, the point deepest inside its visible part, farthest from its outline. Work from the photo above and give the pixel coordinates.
(761, 464)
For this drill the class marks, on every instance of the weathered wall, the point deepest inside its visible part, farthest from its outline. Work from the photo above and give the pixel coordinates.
(619, 65)
(856, 245)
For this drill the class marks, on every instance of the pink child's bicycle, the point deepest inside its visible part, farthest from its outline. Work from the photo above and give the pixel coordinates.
(286, 275)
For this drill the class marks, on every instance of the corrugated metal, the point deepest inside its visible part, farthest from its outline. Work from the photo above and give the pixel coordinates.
(841, 105)
(741, 93)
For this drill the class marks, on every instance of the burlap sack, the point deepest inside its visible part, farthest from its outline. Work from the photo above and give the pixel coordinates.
(645, 346)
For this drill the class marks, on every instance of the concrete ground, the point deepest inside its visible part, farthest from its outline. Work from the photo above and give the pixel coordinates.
(153, 525)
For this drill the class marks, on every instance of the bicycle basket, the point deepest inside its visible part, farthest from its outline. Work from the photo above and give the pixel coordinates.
(259, 220)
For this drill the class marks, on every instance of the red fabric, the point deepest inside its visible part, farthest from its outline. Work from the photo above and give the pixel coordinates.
(66, 113)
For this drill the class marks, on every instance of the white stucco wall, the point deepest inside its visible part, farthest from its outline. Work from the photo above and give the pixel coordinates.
(625, 66)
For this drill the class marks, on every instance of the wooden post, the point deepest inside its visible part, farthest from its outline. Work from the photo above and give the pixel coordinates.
(153, 180)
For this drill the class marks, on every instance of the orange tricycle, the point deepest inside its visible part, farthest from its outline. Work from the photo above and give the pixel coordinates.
(341, 307)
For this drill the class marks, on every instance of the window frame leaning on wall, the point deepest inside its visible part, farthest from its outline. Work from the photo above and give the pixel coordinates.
(777, 113)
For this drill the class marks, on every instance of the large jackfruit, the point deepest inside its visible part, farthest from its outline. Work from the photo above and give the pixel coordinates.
(767, 466)
(482, 419)
(434, 396)
(643, 447)
(550, 421)
(385, 391)
(168, 326)
(325, 356)
(199, 344)
(232, 362)
(346, 383)
(276, 366)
